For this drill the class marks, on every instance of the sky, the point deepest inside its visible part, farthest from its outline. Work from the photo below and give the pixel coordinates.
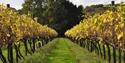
(93, 2)
(18, 3)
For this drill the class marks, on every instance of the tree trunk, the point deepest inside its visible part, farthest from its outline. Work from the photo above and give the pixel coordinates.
(109, 53)
(34, 47)
(10, 53)
(104, 52)
(100, 50)
(124, 56)
(17, 55)
(26, 48)
(114, 55)
(2, 56)
(119, 55)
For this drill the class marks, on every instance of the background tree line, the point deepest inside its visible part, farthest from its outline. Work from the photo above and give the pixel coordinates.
(58, 14)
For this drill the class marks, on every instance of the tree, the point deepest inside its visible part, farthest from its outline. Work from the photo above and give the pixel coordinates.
(58, 14)
(35, 7)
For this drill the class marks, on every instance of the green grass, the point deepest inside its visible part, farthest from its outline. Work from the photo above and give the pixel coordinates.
(111, 53)
(61, 50)
(83, 55)
(5, 53)
(61, 53)
(40, 55)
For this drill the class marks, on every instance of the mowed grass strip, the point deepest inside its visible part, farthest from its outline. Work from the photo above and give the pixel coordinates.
(83, 55)
(40, 55)
(62, 50)
(61, 53)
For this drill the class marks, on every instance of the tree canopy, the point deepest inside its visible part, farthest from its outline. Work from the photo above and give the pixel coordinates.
(58, 14)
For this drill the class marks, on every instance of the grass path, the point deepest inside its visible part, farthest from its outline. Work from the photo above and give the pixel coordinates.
(83, 55)
(61, 53)
(62, 50)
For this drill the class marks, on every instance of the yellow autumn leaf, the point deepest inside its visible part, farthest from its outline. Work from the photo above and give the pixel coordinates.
(8, 35)
(120, 35)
